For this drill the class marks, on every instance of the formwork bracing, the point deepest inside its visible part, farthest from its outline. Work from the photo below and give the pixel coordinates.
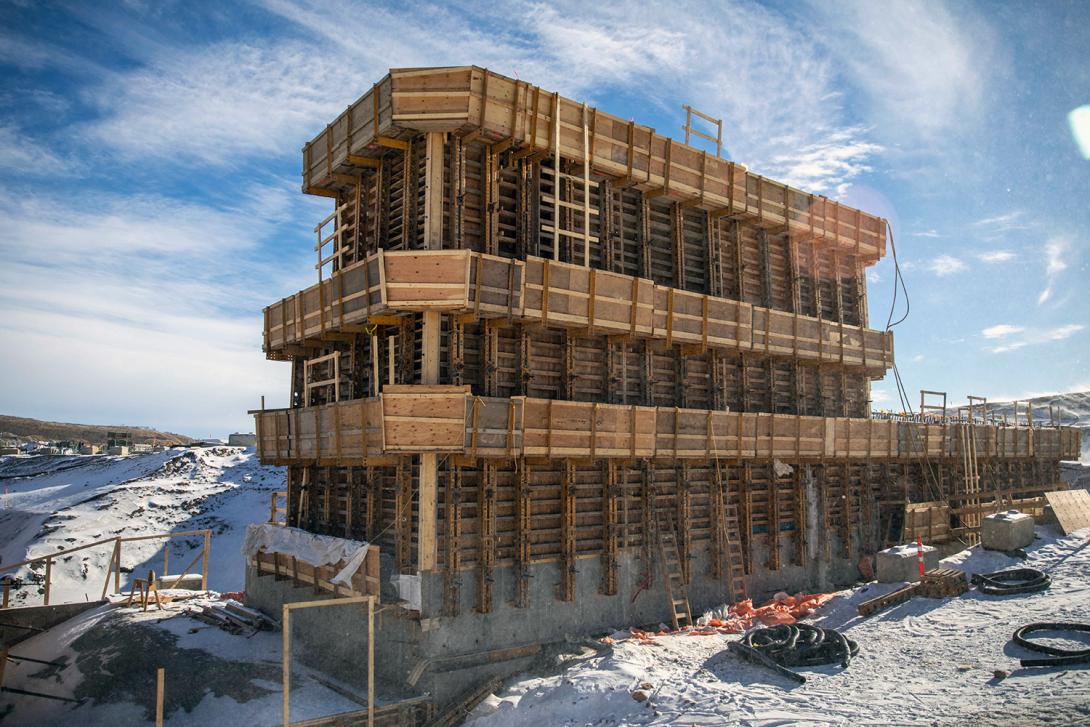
(557, 365)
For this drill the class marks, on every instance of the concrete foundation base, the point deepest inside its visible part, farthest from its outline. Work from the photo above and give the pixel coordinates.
(434, 653)
(1008, 530)
(900, 563)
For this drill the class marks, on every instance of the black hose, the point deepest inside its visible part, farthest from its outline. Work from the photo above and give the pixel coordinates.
(1009, 582)
(1061, 657)
(802, 645)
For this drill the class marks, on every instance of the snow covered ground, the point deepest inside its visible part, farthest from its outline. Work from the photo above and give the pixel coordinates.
(52, 503)
(107, 658)
(927, 661)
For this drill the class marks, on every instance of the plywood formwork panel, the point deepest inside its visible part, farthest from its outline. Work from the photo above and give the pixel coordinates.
(566, 296)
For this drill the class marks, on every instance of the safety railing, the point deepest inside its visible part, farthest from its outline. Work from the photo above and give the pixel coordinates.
(114, 569)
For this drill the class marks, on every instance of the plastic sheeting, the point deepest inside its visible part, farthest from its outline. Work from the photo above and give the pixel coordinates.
(315, 550)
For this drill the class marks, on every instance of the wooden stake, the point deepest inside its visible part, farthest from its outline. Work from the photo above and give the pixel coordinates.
(159, 674)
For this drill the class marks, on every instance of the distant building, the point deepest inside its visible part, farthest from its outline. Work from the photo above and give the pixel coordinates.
(86, 448)
(140, 448)
(238, 439)
(118, 439)
(123, 451)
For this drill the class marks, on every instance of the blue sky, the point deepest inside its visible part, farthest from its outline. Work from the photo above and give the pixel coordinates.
(150, 154)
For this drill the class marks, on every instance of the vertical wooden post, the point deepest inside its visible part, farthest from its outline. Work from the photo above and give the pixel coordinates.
(429, 369)
(371, 661)
(166, 558)
(159, 696)
(117, 565)
(7, 590)
(48, 576)
(204, 559)
(285, 658)
(433, 191)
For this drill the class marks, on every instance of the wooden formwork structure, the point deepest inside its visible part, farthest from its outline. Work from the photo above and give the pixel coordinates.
(539, 332)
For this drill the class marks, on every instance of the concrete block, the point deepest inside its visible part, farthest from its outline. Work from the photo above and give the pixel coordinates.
(188, 582)
(899, 563)
(1008, 530)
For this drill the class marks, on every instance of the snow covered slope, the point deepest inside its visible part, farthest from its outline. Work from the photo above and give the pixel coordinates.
(925, 662)
(52, 503)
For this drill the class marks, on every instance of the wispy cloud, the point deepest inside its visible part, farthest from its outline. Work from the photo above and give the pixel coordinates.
(1055, 251)
(1059, 334)
(944, 265)
(926, 233)
(168, 301)
(1001, 330)
(923, 64)
(1031, 337)
(23, 155)
(996, 256)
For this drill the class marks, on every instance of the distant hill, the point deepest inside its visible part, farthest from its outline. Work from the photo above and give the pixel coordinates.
(24, 428)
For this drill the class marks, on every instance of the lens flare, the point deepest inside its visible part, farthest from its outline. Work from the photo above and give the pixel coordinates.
(1079, 119)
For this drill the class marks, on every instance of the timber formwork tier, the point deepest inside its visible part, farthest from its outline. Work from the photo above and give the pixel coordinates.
(541, 333)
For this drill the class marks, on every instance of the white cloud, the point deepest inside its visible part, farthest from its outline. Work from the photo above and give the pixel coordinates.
(926, 233)
(996, 256)
(1055, 251)
(923, 65)
(1001, 330)
(944, 265)
(1031, 337)
(1012, 346)
(1003, 221)
(141, 309)
(1059, 334)
(215, 103)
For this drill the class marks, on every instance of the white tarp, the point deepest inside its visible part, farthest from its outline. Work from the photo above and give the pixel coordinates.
(315, 550)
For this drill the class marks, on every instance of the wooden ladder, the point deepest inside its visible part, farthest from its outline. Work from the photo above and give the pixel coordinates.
(670, 562)
(735, 559)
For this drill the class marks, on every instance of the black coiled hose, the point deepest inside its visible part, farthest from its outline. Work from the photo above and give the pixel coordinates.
(802, 645)
(1010, 582)
(1061, 657)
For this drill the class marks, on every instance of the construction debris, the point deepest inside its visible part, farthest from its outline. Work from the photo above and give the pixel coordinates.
(233, 617)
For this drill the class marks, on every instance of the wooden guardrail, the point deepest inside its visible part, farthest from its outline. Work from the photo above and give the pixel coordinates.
(114, 568)
(449, 419)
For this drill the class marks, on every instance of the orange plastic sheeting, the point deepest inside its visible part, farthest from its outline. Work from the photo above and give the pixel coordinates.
(742, 617)
(782, 610)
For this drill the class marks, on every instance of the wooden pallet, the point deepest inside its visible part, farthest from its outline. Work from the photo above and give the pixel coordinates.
(943, 583)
